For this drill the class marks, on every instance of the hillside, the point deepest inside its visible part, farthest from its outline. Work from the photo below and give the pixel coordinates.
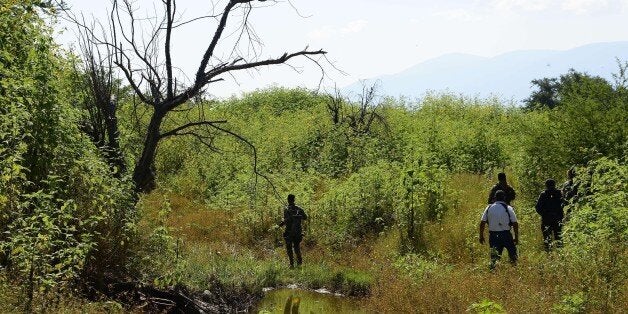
(507, 76)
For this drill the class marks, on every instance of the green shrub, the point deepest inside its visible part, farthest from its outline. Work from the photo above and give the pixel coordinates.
(573, 304)
(63, 214)
(487, 307)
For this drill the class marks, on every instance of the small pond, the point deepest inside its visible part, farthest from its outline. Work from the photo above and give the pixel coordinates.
(274, 301)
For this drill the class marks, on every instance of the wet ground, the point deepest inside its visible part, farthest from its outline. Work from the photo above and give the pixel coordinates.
(319, 301)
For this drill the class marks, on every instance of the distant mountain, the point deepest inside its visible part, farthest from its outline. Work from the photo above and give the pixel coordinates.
(507, 76)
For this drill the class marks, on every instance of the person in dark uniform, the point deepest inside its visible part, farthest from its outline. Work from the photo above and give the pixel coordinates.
(293, 215)
(502, 185)
(550, 207)
(570, 191)
(570, 188)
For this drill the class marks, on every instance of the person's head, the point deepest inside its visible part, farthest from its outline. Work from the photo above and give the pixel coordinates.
(571, 173)
(550, 184)
(500, 196)
(501, 177)
(291, 199)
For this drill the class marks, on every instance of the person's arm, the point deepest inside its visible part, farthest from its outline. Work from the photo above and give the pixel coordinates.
(304, 214)
(539, 205)
(285, 218)
(515, 226)
(482, 226)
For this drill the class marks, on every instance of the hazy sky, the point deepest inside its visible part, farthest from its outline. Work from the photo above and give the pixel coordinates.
(366, 38)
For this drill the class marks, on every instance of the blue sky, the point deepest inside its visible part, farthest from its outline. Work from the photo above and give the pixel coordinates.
(367, 38)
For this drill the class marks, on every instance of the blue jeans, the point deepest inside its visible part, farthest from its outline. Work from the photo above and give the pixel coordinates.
(498, 240)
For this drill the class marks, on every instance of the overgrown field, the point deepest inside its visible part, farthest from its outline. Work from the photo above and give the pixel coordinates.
(394, 189)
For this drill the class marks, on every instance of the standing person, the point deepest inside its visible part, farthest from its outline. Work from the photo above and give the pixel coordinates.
(293, 215)
(550, 207)
(502, 185)
(569, 189)
(500, 217)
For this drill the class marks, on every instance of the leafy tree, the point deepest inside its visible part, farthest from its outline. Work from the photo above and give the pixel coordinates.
(551, 92)
(546, 95)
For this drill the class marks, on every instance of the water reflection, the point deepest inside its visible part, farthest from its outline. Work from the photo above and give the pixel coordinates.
(306, 302)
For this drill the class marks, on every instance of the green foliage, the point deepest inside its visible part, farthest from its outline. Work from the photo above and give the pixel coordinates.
(573, 304)
(419, 268)
(599, 214)
(487, 306)
(596, 233)
(588, 124)
(62, 214)
(352, 282)
(423, 202)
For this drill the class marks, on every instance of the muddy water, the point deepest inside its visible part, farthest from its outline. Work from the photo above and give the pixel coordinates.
(274, 301)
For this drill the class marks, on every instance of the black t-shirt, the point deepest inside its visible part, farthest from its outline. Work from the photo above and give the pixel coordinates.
(293, 215)
(510, 193)
(550, 206)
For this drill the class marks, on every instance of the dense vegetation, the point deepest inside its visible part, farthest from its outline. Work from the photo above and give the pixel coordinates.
(394, 189)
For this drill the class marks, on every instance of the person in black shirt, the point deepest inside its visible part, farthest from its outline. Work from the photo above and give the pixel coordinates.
(502, 185)
(293, 215)
(550, 207)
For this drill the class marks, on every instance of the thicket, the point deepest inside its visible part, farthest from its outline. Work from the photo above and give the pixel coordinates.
(63, 216)
(361, 169)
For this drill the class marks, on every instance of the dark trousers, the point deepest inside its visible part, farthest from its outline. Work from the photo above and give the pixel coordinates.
(294, 244)
(548, 228)
(498, 240)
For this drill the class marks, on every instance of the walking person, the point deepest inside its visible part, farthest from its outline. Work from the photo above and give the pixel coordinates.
(293, 215)
(502, 185)
(500, 218)
(550, 206)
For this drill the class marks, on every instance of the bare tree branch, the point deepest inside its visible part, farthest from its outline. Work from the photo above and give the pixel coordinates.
(176, 131)
(171, 9)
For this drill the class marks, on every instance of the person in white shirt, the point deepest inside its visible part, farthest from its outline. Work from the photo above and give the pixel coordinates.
(500, 217)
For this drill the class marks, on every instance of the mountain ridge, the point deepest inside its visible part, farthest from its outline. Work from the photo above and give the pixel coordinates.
(507, 75)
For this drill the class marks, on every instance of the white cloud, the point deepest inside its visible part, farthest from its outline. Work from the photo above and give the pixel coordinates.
(524, 5)
(327, 32)
(322, 33)
(570, 6)
(458, 15)
(354, 27)
(584, 6)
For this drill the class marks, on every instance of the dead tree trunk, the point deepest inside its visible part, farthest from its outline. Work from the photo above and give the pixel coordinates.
(144, 172)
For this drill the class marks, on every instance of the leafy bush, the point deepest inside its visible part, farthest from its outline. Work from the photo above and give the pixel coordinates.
(63, 215)
(573, 304)
(596, 233)
(487, 307)
(364, 203)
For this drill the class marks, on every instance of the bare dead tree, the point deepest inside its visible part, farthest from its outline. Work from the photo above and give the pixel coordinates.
(97, 79)
(335, 106)
(358, 115)
(147, 64)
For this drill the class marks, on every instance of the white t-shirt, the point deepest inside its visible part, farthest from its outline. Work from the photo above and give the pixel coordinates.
(497, 218)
